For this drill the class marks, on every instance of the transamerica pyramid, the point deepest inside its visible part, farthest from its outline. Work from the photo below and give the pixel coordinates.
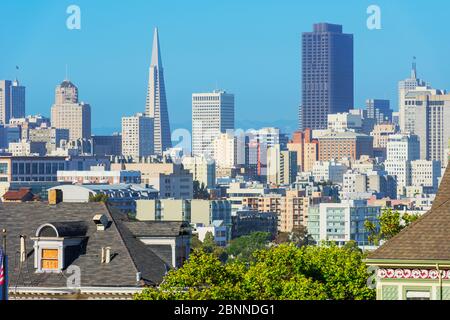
(156, 106)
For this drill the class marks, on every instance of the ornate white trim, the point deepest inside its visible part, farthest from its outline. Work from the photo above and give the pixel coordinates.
(430, 274)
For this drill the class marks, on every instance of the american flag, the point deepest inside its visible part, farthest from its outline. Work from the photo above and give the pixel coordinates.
(2, 273)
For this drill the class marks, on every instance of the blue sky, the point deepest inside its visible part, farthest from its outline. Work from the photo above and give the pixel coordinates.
(250, 48)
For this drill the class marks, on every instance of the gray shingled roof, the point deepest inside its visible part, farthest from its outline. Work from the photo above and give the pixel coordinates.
(426, 239)
(130, 255)
(157, 228)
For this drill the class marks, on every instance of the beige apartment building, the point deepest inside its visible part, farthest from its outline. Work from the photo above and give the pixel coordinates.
(197, 212)
(292, 209)
(170, 179)
(68, 113)
(203, 170)
(381, 134)
(307, 150)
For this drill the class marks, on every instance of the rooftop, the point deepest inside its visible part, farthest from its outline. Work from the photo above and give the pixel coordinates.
(130, 255)
(426, 239)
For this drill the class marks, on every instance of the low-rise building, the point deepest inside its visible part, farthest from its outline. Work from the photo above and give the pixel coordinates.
(26, 148)
(203, 169)
(98, 175)
(339, 145)
(342, 222)
(170, 179)
(203, 212)
(246, 222)
(218, 229)
(120, 196)
(329, 171)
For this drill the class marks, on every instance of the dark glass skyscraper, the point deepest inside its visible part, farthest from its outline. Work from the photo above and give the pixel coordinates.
(327, 75)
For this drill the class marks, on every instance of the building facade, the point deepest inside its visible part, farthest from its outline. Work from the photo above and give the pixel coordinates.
(380, 110)
(137, 136)
(12, 100)
(212, 114)
(68, 113)
(327, 74)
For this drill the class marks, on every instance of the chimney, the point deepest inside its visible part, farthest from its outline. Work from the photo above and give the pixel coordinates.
(55, 196)
(107, 255)
(23, 249)
(103, 256)
(101, 221)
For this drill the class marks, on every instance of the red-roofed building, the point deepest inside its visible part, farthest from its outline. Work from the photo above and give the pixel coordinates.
(21, 195)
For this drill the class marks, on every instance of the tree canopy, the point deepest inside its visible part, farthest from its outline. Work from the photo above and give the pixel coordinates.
(391, 224)
(284, 272)
(200, 191)
(242, 248)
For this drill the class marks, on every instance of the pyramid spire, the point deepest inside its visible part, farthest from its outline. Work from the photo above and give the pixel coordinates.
(156, 52)
(156, 105)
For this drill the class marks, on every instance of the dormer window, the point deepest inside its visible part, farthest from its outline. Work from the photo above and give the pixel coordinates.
(52, 243)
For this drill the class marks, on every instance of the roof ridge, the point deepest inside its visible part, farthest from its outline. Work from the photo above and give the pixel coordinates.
(109, 209)
(120, 225)
(436, 217)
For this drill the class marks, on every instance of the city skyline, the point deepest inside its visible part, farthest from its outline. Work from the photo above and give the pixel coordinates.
(235, 55)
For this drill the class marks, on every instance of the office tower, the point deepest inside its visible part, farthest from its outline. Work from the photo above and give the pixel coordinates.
(52, 137)
(281, 166)
(401, 150)
(107, 145)
(12, 100)
(225, 151)
(212, 114)
(69, 113)
(327, 74)
(432, 125)
(380, 110)
(408, 90)
(156, 106)
(137, 136)
(202, 169)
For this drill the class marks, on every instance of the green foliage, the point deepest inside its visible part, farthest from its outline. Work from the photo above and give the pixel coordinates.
(200, 191)
(284, 272)
(98, 198)
(209, 246)
(242, 248)
(299, 237)
(391, 224)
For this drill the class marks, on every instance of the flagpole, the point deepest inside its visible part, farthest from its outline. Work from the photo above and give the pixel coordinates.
(5, 268)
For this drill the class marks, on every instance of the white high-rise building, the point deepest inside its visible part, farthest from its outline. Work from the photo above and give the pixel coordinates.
(137, 136)
(212, 114)
(433, 126)
(156, 106)
(426, 174)
(225, 150)
(68, 113)
(401, 150)
(408, 91)
(12, 100)
(281, 166)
